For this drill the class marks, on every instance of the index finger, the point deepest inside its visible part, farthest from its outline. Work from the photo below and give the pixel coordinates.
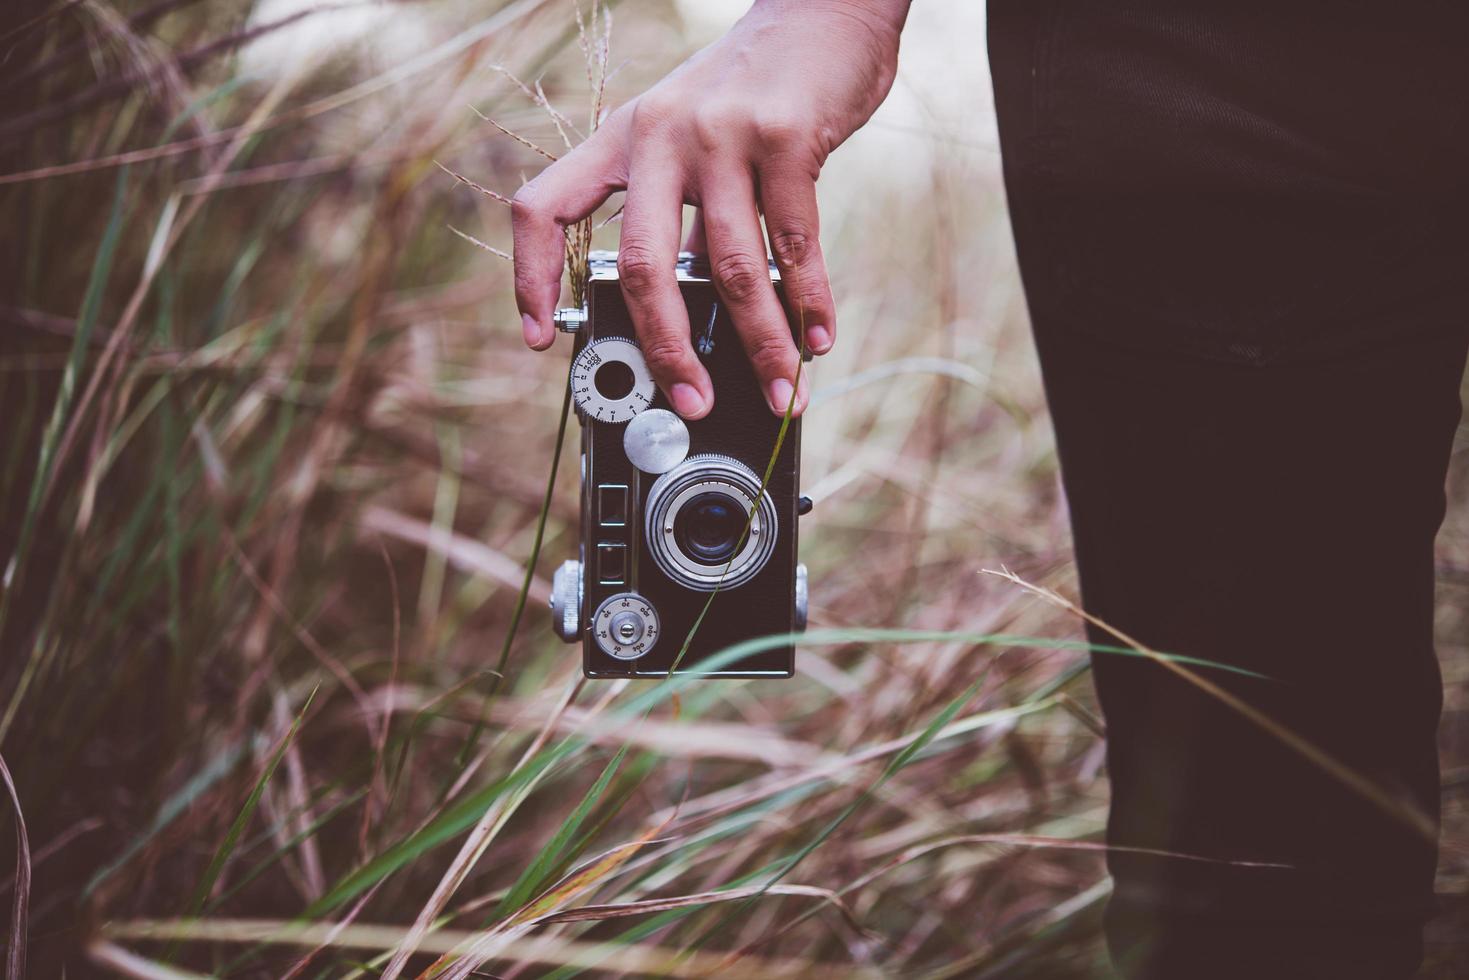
(564, 193)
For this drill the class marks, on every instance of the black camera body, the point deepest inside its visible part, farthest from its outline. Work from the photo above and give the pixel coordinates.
(674, 512)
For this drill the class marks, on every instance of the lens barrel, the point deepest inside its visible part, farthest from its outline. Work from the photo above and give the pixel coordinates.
(708, 523)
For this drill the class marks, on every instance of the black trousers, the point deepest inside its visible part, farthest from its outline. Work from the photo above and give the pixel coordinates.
(1254, 423)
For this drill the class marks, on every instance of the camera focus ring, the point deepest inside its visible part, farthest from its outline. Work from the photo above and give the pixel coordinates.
(696, 516)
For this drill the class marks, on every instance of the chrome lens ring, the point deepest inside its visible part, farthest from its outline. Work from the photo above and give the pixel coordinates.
(694, 478)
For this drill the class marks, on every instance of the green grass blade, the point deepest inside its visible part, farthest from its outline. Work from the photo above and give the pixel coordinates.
(172, 808)
(897, 762)
(295, 841)
(242, 819)
(530, 571)
(86, 322)
(534, 876)
(837, 637)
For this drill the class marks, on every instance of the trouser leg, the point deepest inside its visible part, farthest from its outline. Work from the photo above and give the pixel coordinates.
(1281, 520)
(1279, 517)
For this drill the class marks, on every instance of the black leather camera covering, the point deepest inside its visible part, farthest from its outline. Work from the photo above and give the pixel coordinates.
(740, 426)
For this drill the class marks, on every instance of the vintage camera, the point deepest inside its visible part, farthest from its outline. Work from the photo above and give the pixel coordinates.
(674, 511)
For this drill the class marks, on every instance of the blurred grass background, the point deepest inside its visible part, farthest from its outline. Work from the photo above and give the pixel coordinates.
(273, 459)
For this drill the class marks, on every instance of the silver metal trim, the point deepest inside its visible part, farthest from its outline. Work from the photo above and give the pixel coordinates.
(566, 593)
(602, 265)
(680, 484)
(569, 319)
(591, 402)
(803, 595)
(656, 441)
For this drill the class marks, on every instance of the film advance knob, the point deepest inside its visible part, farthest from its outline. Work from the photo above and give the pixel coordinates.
(610, 381)
(566, 601)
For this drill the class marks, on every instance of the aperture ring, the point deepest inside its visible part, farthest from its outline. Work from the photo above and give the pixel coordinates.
(689, 479)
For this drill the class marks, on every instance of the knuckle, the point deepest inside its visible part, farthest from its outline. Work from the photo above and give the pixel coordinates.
(526, 205)
(652, 114)
(739, 276)
(813, 291)
(638, 269)
(770, 353)
(792, 247)
(715, 123)
(780, 131)
(663, 354)
(799, 160)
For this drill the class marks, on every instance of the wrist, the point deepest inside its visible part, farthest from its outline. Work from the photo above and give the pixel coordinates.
(883, 16)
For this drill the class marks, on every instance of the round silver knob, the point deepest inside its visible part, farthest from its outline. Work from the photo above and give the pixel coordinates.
(656, 441)
(625, 626)
(566, 601)
(569, 319)
(803, 595)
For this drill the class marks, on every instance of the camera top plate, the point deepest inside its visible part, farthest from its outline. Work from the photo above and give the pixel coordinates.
(602, 265)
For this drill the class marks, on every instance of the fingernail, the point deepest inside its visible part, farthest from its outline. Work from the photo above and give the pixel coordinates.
(532, 331)
(780, 395)
(686, 400)
(818, 338)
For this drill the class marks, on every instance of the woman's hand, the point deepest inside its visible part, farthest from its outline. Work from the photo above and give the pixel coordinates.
(741, 128)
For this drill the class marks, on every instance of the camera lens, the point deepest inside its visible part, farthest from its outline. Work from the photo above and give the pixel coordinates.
(709, 524)
(708, 527)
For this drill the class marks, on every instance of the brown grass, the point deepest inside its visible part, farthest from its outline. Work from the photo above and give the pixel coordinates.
(277, 433)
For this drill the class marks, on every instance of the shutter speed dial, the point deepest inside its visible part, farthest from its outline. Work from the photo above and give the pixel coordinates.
(625, 626)
(610, 381)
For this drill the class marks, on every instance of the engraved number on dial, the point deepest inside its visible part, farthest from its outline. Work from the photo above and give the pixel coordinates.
(625, 614)
(622, 392)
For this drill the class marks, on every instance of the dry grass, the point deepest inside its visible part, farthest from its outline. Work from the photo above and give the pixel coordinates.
(271, 431)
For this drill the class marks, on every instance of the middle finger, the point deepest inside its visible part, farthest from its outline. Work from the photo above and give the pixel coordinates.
(741, 274)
